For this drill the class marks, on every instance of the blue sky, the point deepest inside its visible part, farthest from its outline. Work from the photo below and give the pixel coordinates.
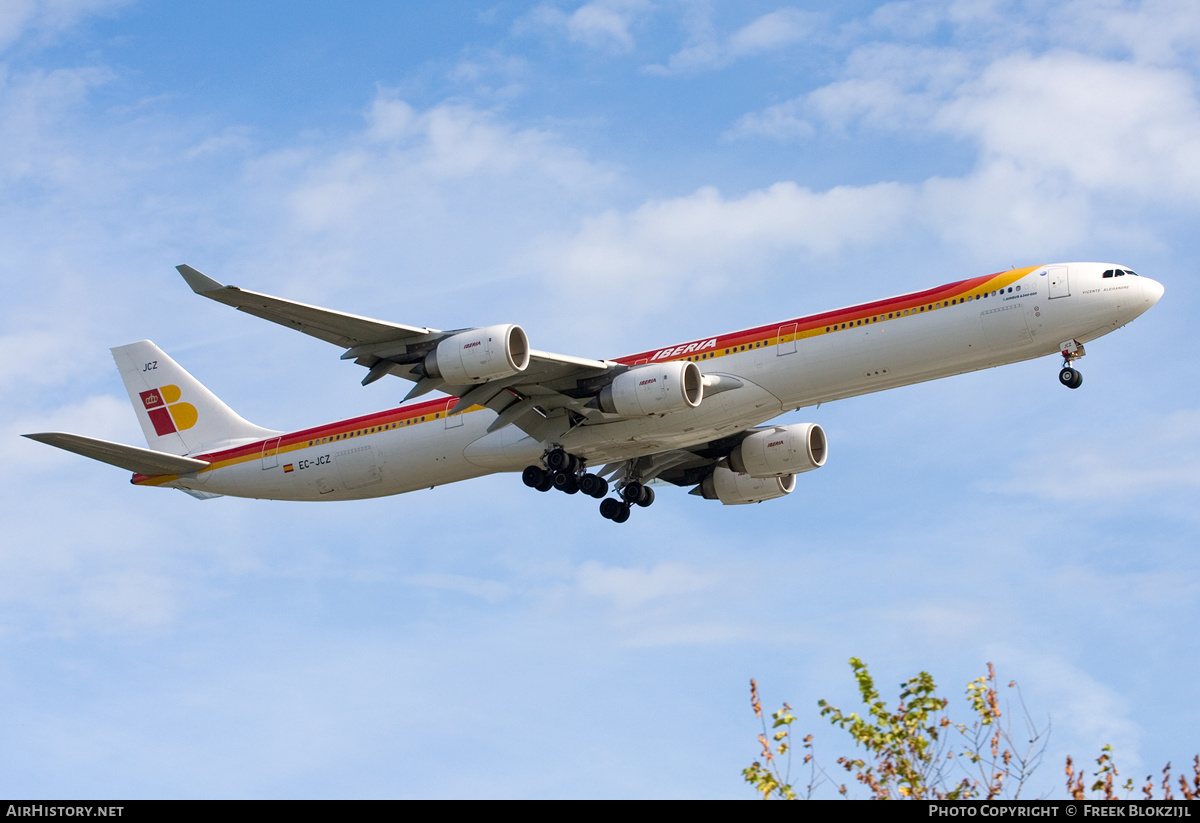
(614, 176)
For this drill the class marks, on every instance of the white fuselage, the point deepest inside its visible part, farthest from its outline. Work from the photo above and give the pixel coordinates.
(975, 324)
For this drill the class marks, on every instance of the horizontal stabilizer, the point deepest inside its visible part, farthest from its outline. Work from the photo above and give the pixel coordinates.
(130, 458)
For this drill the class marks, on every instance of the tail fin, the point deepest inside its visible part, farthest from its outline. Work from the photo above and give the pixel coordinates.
(177, 414)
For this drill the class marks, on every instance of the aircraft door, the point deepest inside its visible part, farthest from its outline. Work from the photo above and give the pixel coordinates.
(787, 340)
(270, 453)
(1057, 282)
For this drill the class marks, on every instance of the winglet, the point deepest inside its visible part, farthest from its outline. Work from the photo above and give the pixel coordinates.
(200, 283)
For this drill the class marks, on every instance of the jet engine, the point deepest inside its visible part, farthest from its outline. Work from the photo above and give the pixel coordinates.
(479, 355)
(654, 390)
(735, 488)
(781, 451)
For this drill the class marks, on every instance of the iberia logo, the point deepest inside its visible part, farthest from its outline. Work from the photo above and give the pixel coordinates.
(166, 412)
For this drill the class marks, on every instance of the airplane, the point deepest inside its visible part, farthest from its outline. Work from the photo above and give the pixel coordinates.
(695, 414)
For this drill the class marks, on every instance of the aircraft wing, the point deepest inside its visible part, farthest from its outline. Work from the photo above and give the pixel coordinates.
(345, 330)
(550, 395)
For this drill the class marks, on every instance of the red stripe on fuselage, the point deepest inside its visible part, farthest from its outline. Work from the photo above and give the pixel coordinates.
(819, 321)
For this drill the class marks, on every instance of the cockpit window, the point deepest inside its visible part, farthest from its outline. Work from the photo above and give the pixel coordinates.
(1131, 273)
(1108, 273)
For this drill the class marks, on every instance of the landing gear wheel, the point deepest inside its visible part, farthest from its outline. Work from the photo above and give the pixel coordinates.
(533, 476)
(566, 482)
(647, 497)
(609, 507)
(593, 485)
(547, 482)
(622, 513)
(632, 492)
(559, 460)
(1070, 378)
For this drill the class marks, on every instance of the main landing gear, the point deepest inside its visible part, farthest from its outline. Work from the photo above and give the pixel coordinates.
(567, 473)
(1070, 377)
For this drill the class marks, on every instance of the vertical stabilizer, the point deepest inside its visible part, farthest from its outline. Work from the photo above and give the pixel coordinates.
(177, 414)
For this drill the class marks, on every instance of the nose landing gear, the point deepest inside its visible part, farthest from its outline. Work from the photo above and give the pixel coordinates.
(1070, 377)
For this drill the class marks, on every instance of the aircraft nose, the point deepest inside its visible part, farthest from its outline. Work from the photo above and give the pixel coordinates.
(1152, 290)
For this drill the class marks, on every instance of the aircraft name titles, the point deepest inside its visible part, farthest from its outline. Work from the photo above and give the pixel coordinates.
(686, 349)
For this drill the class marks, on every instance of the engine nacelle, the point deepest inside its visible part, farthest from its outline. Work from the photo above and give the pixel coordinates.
(735, 488)
(781, 451)
(479, 355)
(654, 389)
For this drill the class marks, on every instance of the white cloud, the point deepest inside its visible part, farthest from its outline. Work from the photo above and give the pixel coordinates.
(106, 417)
(775, 30)
(784, 121)
(1104, 124)
(458, 141)
(1111, 468)
(770, 32)
(705, 242)
(1066, 121)
(453, 185)
(885, 86)
(36, 112)
(603, 25)
(906, 19)
(1152, 32)
(1000, 208)
(18, 17)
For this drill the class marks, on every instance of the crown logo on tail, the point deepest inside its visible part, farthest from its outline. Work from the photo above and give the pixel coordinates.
(166, 412)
